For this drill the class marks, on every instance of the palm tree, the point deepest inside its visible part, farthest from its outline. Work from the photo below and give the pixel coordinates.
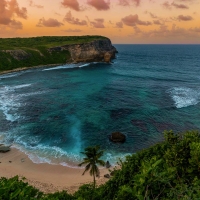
(92, 160)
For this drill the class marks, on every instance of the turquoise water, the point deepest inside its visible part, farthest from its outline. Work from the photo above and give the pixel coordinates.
(52, 114)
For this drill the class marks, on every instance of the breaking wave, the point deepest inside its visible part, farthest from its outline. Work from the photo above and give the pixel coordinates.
(184, 97)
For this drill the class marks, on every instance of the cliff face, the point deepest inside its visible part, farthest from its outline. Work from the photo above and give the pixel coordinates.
(95, 51)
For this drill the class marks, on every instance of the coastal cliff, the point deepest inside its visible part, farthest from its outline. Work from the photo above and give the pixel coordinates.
(18, 53)
(94, 51)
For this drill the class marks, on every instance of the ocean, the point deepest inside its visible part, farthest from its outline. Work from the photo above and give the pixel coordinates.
(52, 114)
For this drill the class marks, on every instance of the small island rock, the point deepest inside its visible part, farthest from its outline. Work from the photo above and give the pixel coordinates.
(108, 165)
(117, 137)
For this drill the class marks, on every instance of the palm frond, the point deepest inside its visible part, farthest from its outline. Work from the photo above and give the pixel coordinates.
(101, 162)
(96, 171)
(91, 171)
(86, 168)
(84, 162)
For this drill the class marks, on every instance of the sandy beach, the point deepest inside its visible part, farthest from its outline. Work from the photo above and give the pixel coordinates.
(46, 177)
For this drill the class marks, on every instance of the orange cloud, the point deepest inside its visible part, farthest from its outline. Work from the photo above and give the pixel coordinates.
(157, 22)
(34, 5)
(72, 30)
(124, 3)
(73, 4)
(70, 19)
(181, 6)
(133, 20)
(49, 23)
(99, 4)
(165, 32)
(128, 2)
(197, 30)
(151, 14)
(184, 18)
(10, 9)
(167, 5)
(119, 25)
(98, 23)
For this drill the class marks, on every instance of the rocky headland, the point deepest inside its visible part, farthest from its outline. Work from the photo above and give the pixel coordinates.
(19, 53)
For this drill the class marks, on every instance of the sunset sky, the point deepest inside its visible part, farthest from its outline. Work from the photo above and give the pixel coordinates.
(123, 21)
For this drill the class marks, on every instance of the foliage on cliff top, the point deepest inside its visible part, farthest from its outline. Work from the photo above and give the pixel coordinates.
(45, 41)
(168, 170)
(34, 57)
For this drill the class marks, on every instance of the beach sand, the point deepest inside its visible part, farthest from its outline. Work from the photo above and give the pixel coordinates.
(46, 177)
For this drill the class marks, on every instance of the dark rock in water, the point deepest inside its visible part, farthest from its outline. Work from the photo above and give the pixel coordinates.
(108, 165)
(107, 176)
(4, 149)
(117, 137)
(162, 126)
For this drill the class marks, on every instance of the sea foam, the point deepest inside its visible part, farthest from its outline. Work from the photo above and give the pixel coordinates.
(60, 67)
(4, 76)
(11, 100)
(70, 66)
(184, 97)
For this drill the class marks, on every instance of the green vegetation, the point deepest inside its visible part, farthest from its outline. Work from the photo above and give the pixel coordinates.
(45, 41)
(15, 188)
(36, 50)
(93, 155)
(168, 170)
(39, 56)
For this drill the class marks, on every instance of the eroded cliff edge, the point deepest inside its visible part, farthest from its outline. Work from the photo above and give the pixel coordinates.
(100, 50)
(18, 53)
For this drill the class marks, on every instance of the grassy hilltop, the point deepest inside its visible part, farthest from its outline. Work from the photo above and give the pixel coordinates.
(35, 50)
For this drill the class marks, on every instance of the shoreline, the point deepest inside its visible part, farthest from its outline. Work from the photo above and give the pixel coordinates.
(46, 177)
(34, 67)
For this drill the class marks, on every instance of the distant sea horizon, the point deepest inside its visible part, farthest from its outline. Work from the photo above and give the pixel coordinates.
(52, 114)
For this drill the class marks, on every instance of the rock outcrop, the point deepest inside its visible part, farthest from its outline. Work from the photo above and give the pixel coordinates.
(107, 176)
(100, 50)
(18, 54)
(4, 149)
(117, 137)
(108, 165)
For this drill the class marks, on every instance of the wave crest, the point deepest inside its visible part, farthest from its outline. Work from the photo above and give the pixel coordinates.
(184, 97)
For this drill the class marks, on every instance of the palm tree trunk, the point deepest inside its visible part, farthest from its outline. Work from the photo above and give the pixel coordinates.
(94, 180)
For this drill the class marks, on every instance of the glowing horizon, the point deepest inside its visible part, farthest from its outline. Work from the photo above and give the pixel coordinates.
(123, 21)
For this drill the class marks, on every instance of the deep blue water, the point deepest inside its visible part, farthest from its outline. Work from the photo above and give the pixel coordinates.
(54, 113)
